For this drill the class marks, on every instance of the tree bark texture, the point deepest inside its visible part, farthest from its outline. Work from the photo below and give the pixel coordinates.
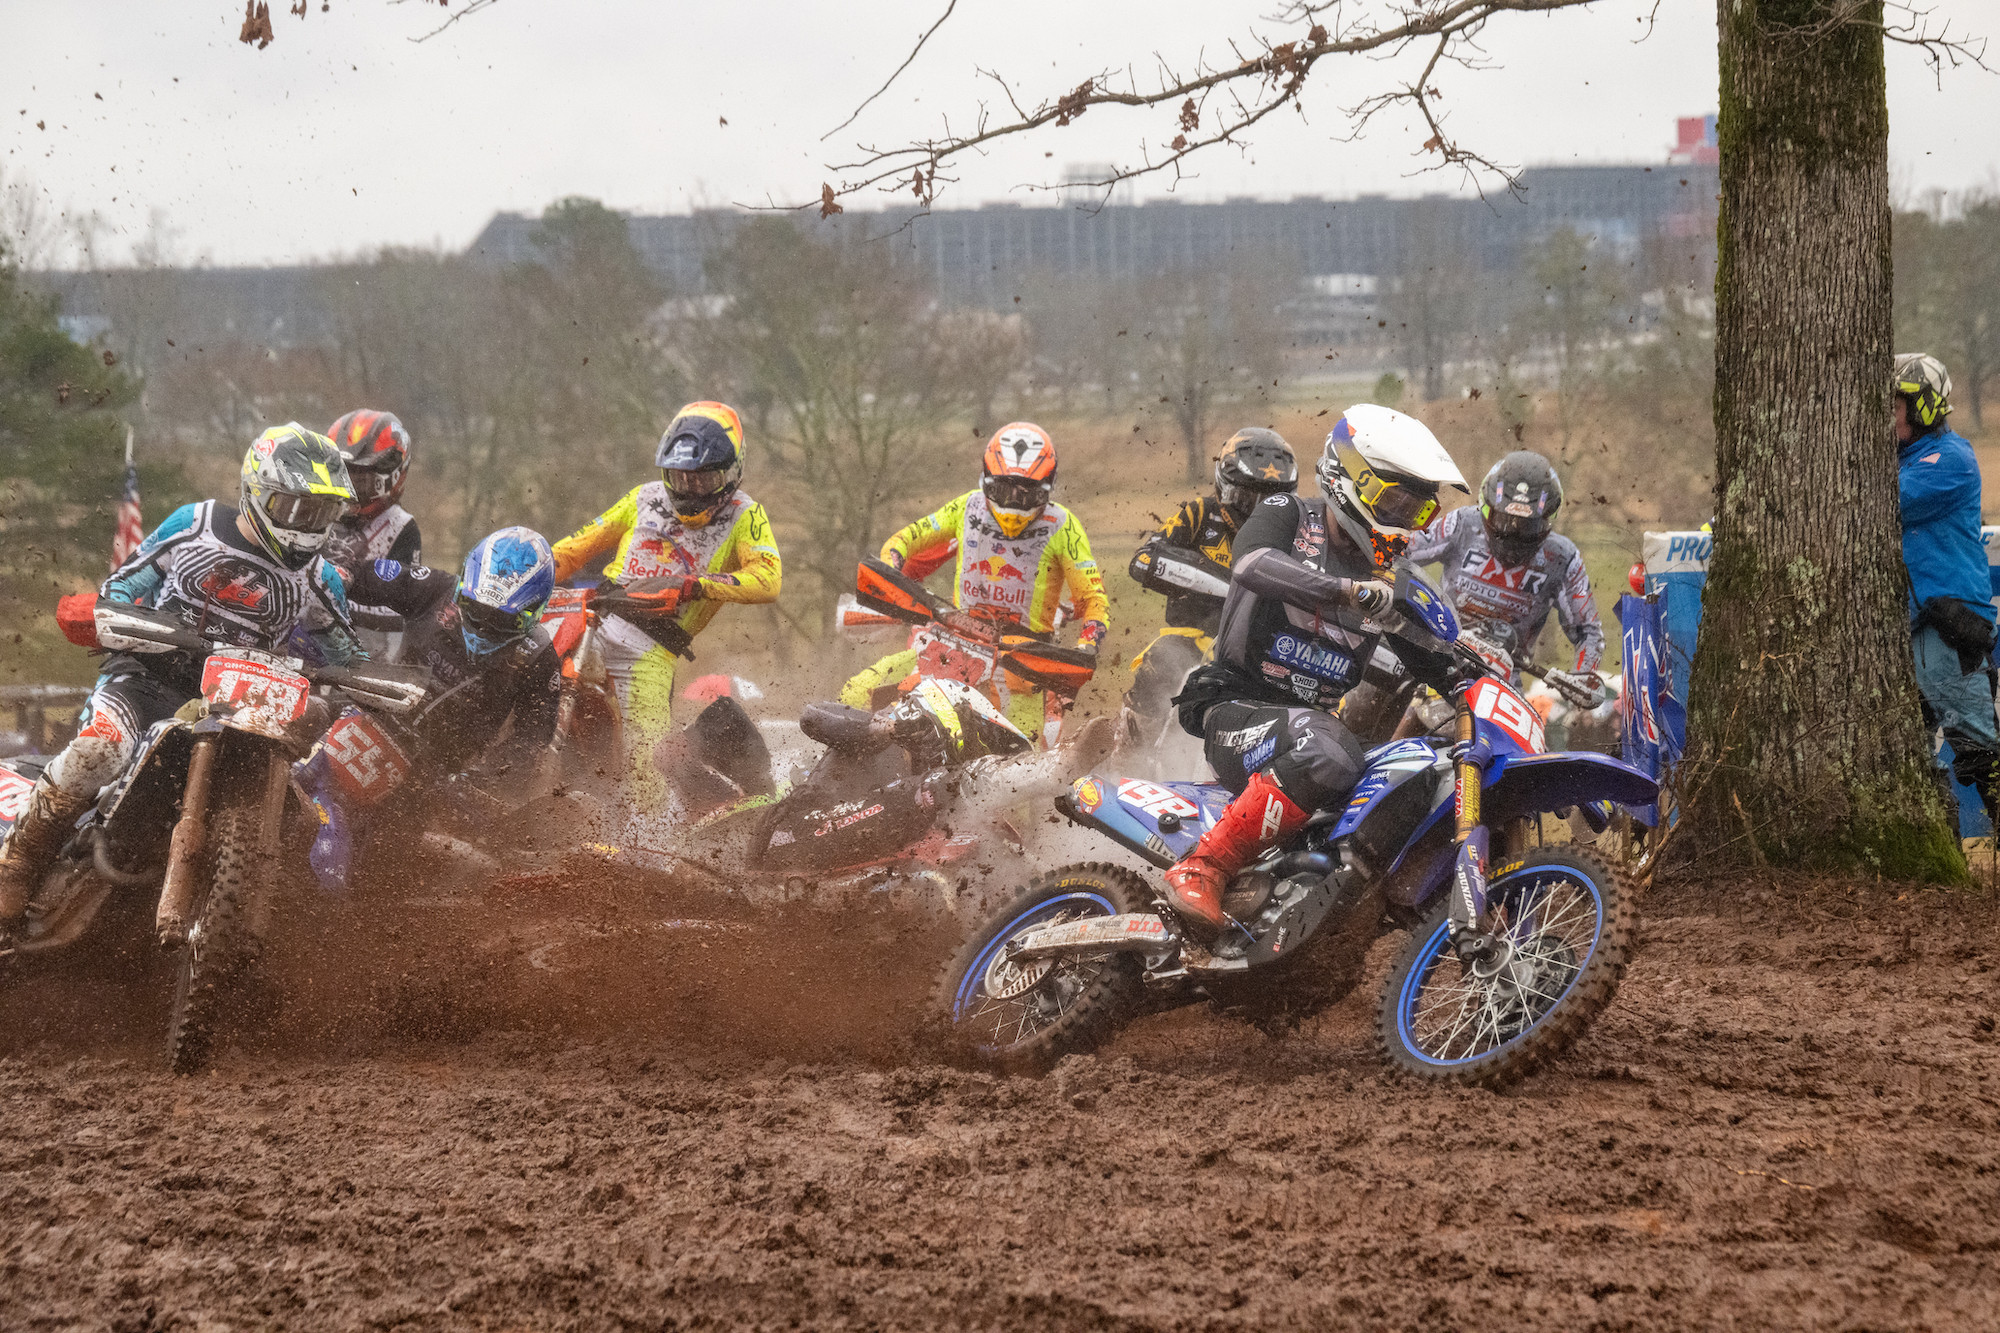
(1807, 744)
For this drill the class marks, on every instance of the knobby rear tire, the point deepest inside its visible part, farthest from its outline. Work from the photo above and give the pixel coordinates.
(1072, 1008)
(221, 949)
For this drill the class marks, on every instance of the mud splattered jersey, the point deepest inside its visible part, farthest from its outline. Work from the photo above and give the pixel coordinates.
(1481, 588)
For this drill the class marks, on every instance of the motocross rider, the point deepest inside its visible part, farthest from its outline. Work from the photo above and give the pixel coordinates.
(1296, 635)
(1503, 563)
(376, 526)
(248, 576)
(1018, 553)
(477, 635)
(696, 524)
(1188, 560)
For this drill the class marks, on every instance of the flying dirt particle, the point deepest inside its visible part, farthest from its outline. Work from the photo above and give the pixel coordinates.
(722, 120)
(110, 357)
(41, 124)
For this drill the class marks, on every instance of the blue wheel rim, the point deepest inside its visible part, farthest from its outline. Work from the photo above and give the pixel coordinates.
(968, 984)
(1437, 952)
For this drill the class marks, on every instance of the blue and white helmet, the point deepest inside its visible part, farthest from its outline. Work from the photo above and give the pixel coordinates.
(508, 579)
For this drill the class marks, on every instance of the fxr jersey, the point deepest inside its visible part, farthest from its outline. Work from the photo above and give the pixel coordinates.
(1482, 588)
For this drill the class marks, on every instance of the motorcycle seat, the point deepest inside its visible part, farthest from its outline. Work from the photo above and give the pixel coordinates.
(840, 728)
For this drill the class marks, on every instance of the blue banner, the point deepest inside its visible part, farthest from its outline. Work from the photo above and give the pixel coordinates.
(1653, 721)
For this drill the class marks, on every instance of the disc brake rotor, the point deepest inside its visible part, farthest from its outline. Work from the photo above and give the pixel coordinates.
(1006, 979)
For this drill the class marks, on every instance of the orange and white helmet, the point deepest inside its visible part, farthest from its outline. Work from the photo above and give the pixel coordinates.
(1017, 475)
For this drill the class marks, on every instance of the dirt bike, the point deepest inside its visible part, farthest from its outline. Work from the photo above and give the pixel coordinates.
(587, 744)
(889, 799)
(199, 814)
(1514, 946)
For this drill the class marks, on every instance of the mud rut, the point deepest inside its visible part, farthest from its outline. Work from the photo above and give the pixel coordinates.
(1788, 1120)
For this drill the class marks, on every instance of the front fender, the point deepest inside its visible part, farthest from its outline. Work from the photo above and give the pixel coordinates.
(1529, 785)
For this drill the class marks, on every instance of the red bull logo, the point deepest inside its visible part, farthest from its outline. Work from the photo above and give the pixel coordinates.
(996, 568)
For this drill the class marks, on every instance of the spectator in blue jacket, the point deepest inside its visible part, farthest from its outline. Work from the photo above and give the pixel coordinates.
(1951, 593)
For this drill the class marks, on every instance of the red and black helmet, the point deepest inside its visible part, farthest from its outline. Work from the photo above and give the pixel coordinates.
(377, 450)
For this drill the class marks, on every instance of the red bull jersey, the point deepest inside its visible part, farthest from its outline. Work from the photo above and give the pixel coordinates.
(1020, 579)
(734, 553)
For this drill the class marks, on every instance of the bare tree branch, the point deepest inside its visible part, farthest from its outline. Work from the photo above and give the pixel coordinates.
(1269, 76)
(1939, 47)
(471, 8)
(914, 52)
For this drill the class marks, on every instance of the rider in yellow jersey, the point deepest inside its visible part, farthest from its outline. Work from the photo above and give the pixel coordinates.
(1018, 554)
(693, 524)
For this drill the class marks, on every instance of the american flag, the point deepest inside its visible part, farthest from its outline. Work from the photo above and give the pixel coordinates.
(131, 529)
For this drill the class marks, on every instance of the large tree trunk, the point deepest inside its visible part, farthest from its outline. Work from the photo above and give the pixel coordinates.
(1807, 744)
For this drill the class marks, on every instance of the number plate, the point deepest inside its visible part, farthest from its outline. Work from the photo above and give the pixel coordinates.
(1155, 800)
(366, 763)
(260, 692)
(1510, 712)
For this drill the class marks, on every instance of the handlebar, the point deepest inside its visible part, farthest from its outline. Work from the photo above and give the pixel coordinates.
(384, 685)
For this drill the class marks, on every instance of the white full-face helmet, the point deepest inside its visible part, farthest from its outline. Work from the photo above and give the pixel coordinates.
(1382, 470)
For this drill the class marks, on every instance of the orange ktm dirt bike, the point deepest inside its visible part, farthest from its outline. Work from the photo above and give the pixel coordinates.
(587, 748)
(953, 644)
(199, 819)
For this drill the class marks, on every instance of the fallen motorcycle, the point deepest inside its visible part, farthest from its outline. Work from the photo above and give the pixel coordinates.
(914, 792)
(1504, 968)
(200, 815)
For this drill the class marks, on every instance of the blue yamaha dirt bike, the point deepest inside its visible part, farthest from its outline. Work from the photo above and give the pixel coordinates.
(1515, 944)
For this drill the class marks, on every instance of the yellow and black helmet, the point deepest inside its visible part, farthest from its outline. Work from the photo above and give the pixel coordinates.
(1923, 381)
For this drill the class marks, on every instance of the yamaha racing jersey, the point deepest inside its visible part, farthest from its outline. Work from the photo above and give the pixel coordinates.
(1287, 632)
(1206, 529)
(1481, 588)
(198, 566)
(476, 695)
(356, 541)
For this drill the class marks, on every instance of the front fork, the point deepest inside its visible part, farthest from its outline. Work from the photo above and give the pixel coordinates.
(1470, 924)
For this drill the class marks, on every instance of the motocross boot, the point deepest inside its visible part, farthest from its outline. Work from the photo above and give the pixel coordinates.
(1256, 821)
(31, 846)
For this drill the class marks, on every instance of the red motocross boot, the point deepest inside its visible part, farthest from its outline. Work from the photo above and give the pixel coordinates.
(1256, 821)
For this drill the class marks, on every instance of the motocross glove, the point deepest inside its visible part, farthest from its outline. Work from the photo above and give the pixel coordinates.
(1090, 636)
(894, 560)
(1581, 689)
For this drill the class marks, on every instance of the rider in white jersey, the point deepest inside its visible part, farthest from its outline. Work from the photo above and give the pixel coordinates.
(1503, 564)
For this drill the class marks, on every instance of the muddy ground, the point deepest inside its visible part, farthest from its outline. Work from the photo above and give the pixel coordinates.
(1787, 1120)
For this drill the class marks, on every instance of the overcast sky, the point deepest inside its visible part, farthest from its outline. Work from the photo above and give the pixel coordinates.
(345, 135)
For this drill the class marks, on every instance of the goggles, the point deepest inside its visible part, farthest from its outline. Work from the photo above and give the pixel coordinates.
(372, 484)
(490, 622)
(1015, 492)
(708, 481)
(1397, 504)
(301, 513)
(1523, 526)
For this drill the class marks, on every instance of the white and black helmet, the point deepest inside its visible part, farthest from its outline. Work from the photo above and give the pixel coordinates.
(1383, 470)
